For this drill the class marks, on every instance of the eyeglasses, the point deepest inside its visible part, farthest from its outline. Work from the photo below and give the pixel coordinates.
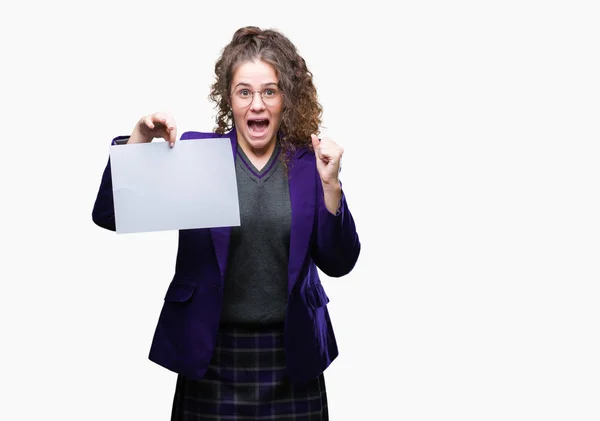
(243, 97)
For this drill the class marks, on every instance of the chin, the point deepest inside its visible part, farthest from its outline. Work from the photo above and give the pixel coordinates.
(262, 142)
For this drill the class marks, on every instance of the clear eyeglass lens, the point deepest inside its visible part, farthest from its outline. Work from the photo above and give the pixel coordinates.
(269, 96)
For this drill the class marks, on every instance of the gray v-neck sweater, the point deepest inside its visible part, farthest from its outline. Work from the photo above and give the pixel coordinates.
(257, 270)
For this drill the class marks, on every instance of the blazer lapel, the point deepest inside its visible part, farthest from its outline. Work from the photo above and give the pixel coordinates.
(222, 235)
(302, 196)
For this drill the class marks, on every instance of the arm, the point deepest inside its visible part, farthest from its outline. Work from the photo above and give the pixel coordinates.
(337, 246)
(103, 213)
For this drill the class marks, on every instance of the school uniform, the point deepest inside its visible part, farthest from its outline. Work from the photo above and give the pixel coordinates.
(245, 323)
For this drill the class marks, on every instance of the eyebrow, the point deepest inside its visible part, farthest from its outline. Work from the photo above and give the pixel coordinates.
(247, 84)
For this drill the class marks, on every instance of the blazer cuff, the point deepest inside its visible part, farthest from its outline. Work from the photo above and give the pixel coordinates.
(339, 213)
(120, 140)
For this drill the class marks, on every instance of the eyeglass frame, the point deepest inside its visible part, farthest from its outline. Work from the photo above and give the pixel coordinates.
(262, 97)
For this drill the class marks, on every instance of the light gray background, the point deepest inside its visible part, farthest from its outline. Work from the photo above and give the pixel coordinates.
(471, 167)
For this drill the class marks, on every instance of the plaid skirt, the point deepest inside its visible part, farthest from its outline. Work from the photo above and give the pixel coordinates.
(246, 380)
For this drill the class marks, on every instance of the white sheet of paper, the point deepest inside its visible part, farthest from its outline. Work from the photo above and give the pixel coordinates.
(191, 185)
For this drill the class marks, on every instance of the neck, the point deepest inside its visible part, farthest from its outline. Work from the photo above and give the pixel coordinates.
(258, 157)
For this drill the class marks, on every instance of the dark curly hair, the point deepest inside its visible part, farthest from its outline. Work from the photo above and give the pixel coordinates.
(301, 110)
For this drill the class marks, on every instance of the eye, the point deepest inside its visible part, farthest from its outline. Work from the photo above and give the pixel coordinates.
(244, 93)
(270, 92)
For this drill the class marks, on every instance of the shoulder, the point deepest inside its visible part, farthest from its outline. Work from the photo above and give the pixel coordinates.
(303, 154)
(202, 135)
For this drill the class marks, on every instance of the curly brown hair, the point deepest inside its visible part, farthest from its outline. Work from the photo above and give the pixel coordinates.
(301, 110)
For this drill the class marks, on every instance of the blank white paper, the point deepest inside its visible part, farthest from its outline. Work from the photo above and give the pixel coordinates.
(157, 188)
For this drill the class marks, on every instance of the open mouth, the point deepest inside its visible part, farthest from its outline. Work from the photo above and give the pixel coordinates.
(258, 127)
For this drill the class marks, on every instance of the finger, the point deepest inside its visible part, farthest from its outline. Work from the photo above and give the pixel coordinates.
(172, 134)
(326, 141)
(148, 122)
(327, 151)
(170, 129)
(160, 120)
(331, 149)
(165, 122)
(315, 142)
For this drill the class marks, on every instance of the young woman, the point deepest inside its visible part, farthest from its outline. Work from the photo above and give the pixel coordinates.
(245, 323)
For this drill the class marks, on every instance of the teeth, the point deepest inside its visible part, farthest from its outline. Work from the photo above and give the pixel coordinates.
(258, 126)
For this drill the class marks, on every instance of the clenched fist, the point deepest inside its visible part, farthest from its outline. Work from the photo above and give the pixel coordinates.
(328, 157)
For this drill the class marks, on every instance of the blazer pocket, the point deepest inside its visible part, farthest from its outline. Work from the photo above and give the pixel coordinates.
(180, 292)
(316, 297)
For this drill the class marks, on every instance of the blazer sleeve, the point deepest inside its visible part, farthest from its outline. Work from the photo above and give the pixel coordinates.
(103, 213)
(336, 247)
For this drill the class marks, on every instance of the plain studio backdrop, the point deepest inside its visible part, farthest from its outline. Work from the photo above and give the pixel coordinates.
(471, 166)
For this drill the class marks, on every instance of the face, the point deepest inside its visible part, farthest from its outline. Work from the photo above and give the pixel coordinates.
(257, 120)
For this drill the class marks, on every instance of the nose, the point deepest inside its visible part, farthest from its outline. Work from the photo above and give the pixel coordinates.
(257, 103)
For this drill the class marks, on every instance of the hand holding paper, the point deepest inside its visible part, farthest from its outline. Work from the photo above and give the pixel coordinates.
(156, 125)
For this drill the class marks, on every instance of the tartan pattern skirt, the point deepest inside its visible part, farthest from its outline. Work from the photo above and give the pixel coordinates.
(246, 380)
